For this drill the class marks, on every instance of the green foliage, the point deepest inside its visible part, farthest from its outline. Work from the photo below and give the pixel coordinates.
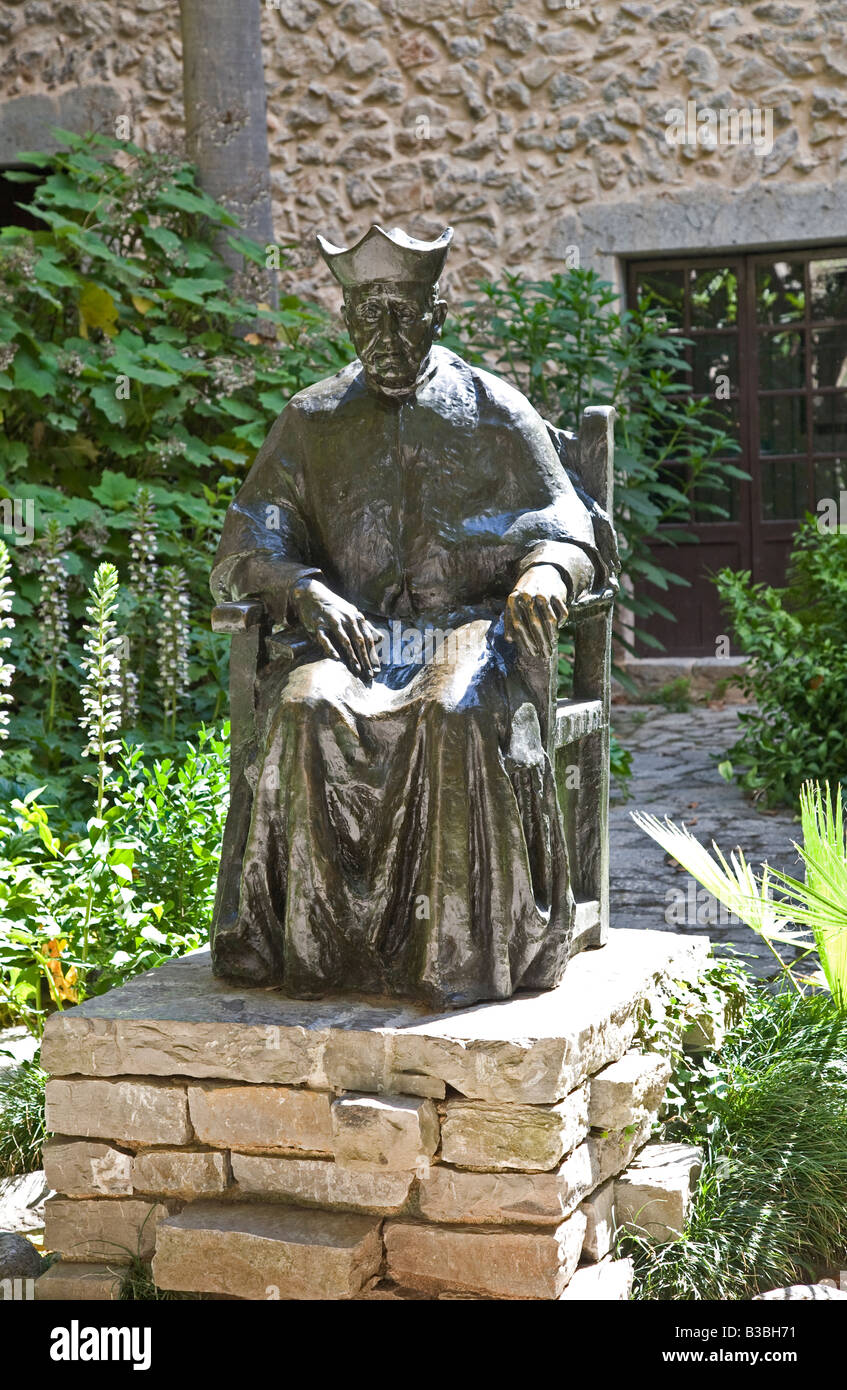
(675, 696)
(771, 1206)
(7, 670)
(796, 638)
(125, 362)
(81, 913)
(176, 810)
(818, 906)
(821, 902)
(684, 1009)
(21, 1118)
(564, 343)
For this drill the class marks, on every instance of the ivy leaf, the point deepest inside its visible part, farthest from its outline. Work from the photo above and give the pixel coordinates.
(165, 239)
(273, 400)
(239, 409)
(60, 421)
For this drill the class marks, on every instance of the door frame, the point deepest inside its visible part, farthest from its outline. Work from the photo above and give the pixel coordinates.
(755, 529)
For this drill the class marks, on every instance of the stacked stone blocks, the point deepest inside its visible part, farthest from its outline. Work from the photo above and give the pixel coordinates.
(485, 1171)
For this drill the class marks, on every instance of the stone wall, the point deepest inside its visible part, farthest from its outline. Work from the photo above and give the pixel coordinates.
(256, 1147)
(531, 127)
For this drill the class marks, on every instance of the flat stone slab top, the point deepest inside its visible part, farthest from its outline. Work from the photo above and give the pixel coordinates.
(535, 1048)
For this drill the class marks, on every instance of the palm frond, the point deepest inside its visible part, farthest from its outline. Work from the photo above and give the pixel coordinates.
(817, 908)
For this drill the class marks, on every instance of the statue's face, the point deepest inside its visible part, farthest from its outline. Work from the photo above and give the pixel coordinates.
(393, 327)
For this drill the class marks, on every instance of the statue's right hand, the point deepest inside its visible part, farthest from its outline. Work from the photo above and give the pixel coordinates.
(337, 626)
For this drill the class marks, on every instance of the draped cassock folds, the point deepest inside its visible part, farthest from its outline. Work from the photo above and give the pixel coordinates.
(405, 836)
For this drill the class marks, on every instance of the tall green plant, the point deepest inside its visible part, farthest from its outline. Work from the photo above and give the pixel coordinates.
(565, 344)
(81, 913)
(101, 702)
(52, 613)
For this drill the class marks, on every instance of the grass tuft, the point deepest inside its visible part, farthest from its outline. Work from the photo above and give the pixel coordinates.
(21, 1118)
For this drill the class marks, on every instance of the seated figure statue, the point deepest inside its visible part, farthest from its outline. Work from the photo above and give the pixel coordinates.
(416, 544)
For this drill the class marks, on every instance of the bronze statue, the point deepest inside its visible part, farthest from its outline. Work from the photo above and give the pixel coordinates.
(414, 543)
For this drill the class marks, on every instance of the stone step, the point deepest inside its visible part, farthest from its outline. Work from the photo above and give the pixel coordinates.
(389, 1134)
(136, 1112)
(623, 1093)
(322, 1182)
(263, 1251)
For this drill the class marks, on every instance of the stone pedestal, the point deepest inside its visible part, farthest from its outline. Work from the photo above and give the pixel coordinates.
(259, 1147)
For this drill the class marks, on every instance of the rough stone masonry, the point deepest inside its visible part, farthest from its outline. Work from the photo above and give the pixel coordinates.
(530, 126)
(255, 1147)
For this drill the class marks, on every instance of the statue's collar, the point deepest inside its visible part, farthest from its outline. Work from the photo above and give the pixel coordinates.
(428, 369)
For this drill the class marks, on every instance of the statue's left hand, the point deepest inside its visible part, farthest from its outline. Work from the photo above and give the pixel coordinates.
(536, 609)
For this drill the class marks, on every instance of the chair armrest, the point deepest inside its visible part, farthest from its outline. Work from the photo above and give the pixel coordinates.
(591, 605)
(237, 617)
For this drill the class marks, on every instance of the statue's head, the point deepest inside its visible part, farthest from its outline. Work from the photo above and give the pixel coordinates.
(391, 305)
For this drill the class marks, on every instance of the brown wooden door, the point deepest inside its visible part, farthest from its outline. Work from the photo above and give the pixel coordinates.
(770, 330)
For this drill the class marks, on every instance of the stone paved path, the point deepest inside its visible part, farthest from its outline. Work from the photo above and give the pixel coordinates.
(675, 774)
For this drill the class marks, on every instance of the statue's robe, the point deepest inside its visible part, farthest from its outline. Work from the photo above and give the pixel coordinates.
(405, 835)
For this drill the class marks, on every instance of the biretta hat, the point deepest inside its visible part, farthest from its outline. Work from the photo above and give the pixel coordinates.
(392, 256)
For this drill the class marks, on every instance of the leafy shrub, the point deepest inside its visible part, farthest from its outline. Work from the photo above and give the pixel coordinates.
(564, 344)
(124, 365)
(796, 638)
(80, 914)
(771, 1206)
